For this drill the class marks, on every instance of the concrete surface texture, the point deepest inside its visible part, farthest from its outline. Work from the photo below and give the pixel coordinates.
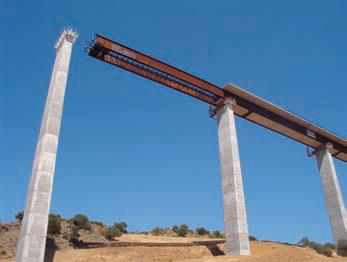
(235, 220)
(31, 245)
(333, 195)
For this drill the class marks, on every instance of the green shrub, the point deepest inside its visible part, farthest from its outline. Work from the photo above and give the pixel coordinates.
(175, 228)
(74, 234)
(252, 238)
(54, 224)
(329, 245)
(201, 231)
(98, 223)
(112, 232)
(216, 234)
(182, 231)
(19, 216)
(319, 248)
(116, 230)
(81, 222)
(122, 226)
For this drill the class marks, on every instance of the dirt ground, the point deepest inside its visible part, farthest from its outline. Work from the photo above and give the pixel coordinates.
(261, 252)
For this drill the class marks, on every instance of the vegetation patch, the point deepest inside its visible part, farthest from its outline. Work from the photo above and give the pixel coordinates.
(201, 231)
(325, 250)
(252, 238)
(182, 230)
(81, 221)
(116, 230)
(216, 234)
(19, 216)
(54, 224)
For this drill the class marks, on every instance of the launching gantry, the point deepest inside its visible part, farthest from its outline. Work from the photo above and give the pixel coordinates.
(245, 104)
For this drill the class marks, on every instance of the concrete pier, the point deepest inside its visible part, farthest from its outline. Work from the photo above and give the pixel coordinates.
(235, 220)
(32, 241)
(333, 196)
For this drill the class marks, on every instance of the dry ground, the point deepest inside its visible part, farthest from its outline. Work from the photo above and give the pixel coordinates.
(261, 252)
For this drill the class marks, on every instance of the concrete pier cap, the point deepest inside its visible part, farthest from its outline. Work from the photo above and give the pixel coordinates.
(69, 35)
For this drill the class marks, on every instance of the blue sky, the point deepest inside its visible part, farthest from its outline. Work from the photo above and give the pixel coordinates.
(133, 150)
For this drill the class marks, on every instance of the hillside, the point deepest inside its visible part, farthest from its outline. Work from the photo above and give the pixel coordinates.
(148, 247)
(261, 252)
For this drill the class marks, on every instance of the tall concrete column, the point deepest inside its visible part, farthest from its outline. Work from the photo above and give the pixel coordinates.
(235, 220)
(333, 196)
(32, 241)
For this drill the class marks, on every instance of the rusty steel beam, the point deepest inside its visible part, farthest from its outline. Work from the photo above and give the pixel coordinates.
(131, 60)
(247, 105)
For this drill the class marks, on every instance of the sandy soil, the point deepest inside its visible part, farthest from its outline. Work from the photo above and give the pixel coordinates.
(9, 238)
(274, 252)
(261, 252)
(143, 238)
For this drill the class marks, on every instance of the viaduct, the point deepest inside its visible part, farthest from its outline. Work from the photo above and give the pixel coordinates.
(224, 103)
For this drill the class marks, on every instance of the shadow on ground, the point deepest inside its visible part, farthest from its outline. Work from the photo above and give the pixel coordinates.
(51, 248)
(215, 250)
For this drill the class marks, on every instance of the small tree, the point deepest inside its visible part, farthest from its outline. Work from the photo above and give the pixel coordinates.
(116, 230)
(252, 238)
(54, 224)
(112, 232)
(122, 226)
(182, 230)
(74, 234)
(19, 216)
(201, 231)
(175, 228)
(319, 248)
(217, 234)
(81, 222)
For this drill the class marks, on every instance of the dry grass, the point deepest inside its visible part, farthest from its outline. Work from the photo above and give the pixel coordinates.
(261, 252)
